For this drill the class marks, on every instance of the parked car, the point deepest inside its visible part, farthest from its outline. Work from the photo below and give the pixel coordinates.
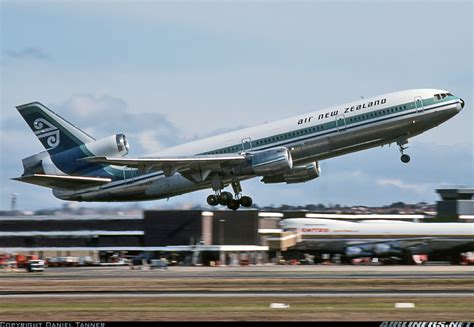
(159, 264)
(35, 265)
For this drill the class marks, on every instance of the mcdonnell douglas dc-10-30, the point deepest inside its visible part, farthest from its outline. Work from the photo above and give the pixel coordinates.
(80, 168)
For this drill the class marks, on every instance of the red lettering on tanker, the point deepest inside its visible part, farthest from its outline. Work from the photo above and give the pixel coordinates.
(315, 230)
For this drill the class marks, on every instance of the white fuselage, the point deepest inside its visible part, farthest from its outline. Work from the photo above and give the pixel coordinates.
(380, 238)
(310, 137)
(311, 228)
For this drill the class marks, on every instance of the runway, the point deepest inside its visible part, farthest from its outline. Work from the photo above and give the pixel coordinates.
(328, 292)
(237, 294)
(270, 272)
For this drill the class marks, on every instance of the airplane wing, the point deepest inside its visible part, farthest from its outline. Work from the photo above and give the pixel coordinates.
(196, 168)
(443, 245)
(416, 245)
(403, 242)
(63, 182)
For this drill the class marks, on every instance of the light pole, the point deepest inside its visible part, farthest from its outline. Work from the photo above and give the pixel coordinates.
(222, 256)
(221, 231)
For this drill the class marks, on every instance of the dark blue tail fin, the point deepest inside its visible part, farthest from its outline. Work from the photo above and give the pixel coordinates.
(54, 132)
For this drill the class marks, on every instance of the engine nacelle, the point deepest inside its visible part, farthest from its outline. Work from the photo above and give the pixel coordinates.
(382, 249)
(113, 145)
(353, 251)
(266, 163)
(373, 250)
(299, 174)
(357, 252)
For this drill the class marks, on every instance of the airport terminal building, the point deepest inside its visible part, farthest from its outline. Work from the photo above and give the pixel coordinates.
(194, 236)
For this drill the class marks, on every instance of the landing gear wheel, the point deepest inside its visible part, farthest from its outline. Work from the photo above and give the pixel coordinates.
(402, 145)
(212, 200)
(246, 201)
(405, 158)
(233, 204)
(225, 198)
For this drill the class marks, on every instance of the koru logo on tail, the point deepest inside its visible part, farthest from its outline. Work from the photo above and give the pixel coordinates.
(45, 129)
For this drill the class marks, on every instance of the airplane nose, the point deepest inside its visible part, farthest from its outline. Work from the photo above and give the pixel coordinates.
(462, 103)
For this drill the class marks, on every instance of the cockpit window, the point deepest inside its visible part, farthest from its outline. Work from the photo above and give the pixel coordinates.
(441, 96)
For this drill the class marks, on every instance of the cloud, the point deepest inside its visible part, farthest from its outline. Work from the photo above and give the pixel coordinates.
(103, 115)
(86, 108)
(420, 188)
(149, 141)
(29, 53)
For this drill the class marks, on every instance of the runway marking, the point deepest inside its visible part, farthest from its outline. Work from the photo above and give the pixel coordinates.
(467, 294)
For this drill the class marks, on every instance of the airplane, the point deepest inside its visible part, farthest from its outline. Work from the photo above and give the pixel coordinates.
(381, 238)
(78, 167)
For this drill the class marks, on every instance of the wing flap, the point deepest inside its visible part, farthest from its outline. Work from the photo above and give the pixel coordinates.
(171, 165)
(63, 182)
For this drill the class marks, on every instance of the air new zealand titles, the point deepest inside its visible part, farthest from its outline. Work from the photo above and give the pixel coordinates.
(346, 110)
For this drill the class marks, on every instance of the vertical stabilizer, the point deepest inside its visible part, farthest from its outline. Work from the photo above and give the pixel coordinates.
(54, 132)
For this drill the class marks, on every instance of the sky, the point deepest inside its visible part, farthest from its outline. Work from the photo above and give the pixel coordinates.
(165, 72)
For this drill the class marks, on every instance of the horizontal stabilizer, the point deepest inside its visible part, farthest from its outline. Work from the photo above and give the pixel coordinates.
(63, 182)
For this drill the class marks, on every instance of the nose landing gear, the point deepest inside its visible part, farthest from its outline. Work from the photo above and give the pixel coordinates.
(402, 145)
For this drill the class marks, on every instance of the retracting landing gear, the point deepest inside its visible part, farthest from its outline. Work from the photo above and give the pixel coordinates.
(402, 145)
(226, 198)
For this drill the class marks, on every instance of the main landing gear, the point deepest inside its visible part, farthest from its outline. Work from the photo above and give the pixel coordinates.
(402, 145)
(227, 199)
